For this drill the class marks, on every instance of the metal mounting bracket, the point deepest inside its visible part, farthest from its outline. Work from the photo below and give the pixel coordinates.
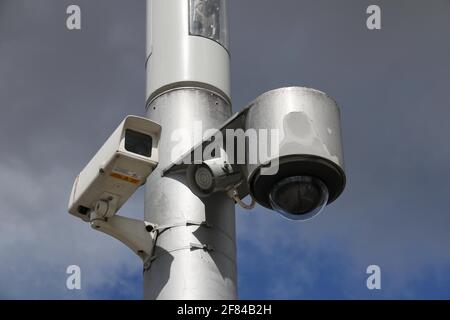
(139, 236)
(237, 121)
(193, 156)
(161, 229)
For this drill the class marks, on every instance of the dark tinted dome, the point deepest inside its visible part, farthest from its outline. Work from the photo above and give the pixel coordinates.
(299, 198)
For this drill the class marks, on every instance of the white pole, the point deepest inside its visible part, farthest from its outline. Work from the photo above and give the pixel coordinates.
(188, 87)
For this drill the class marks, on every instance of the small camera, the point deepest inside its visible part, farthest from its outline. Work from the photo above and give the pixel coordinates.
(118, 169)
(213, 175)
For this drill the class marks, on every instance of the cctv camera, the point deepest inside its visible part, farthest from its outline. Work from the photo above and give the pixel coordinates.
(307, 171)
(213, 175)
(121, 166)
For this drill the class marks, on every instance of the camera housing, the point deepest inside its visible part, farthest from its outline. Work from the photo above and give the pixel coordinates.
(117, 170)
(307, 171)
(213, 175)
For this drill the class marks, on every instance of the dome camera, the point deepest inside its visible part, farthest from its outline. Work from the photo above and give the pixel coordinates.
(307, 171)
(299, 197)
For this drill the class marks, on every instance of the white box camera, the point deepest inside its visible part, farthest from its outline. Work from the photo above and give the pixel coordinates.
(118, 169)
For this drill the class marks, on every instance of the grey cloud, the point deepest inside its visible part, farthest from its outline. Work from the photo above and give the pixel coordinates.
(392, 88)
(61, 93)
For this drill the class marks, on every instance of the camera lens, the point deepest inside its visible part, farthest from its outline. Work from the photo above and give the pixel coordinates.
(138, 143)
(204, 178)
(299, 197)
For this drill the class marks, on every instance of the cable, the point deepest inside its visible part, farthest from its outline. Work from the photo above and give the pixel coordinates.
(233, 194)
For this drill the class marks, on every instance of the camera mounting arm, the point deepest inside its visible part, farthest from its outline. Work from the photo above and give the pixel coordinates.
(236, 121)
(238, 188)
(139, 236)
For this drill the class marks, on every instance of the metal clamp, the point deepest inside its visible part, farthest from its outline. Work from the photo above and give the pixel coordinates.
(136, 234)
(161, 229)
(191, 246)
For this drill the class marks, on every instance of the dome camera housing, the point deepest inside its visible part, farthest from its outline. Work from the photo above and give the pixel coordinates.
(306, 171)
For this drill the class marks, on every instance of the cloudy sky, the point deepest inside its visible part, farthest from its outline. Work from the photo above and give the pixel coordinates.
(62, 92)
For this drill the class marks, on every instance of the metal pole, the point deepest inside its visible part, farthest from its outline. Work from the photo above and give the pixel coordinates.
(188, 88)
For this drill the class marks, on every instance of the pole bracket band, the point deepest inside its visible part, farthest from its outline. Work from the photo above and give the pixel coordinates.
(161, 229)
(191, 246)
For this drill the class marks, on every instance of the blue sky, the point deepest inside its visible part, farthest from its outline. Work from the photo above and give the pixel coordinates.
(62, 92)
